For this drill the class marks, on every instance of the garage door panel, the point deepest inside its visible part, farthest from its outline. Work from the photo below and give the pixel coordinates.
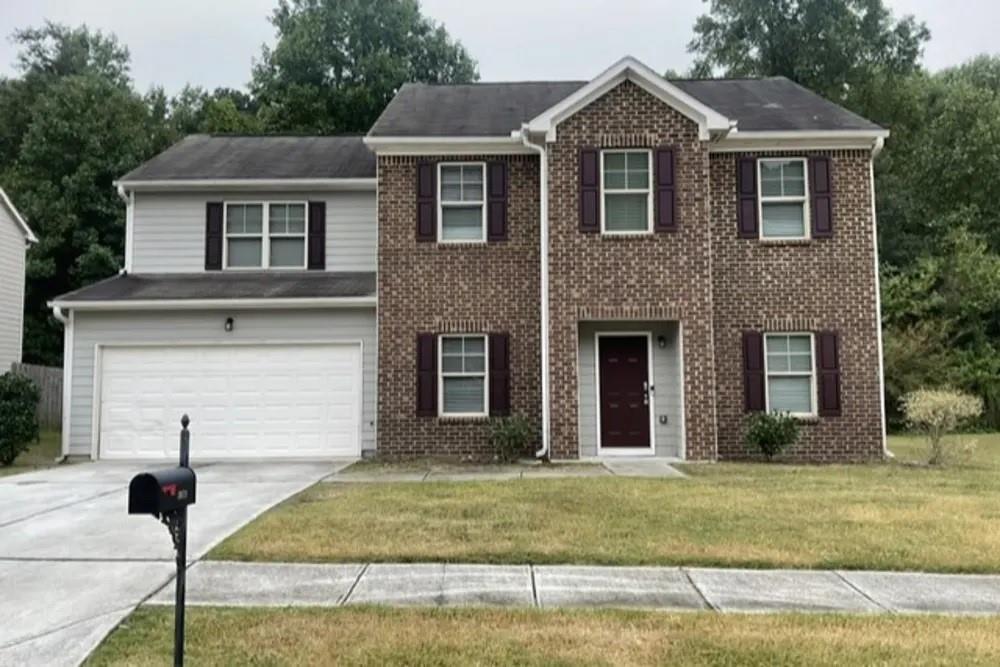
(253, 401)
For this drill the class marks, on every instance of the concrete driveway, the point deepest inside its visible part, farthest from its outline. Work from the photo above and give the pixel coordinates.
(73, 563)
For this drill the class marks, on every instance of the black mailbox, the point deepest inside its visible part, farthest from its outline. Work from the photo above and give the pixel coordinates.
(161, 491)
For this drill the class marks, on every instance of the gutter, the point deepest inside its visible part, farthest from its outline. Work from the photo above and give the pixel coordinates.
(274, 303)
(543, 248)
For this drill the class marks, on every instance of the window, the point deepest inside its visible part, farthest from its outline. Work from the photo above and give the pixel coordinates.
(463, 376)
(627, 207)
(258, 241)
(788, 363)
(783, 201)
(462, 211)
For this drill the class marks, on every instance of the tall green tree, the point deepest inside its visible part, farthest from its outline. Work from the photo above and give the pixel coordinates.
(337, 63)
(829, 46)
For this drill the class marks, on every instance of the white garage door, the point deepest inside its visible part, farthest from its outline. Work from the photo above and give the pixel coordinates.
(245, 401)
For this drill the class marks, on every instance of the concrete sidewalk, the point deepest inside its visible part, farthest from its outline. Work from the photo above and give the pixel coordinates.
(623, 466)
(665, 588)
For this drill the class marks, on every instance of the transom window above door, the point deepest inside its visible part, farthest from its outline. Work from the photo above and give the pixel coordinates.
(463, 376)
(462, 202)
(783, 198)
(265, 235)
(627, 196)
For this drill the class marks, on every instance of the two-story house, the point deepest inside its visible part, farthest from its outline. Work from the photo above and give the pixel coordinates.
(15, 237)
(630, 262)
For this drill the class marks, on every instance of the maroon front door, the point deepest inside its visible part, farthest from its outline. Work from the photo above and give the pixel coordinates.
(624, 390)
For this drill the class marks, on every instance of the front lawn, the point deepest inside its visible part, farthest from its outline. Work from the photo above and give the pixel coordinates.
(41, 454)
(367, 636)
(881, 516)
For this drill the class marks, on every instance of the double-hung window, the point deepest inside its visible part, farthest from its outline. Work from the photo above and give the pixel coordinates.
(784, 208)
(462, 210)
(463, 376)
(265, 235)
(625, 186)
(790, 370)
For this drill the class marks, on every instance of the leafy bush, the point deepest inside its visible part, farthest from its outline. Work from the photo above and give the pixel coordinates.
(938, 412)
(509, 437)
(18, 423)
(771, 433)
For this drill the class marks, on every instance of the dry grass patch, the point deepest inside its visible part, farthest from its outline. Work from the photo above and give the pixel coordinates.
(369, 636)
(885, 516)
(41, 454)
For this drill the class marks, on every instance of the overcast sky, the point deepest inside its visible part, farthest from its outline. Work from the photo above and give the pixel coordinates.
(213, 42)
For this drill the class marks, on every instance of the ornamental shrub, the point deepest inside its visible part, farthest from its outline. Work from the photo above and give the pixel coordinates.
(18, 420)
(771, 433)
(938, 412)
(509, 437)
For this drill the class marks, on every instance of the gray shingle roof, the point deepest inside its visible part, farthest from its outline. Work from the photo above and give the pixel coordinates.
(221, 285)
(495, 109)
(203, 156)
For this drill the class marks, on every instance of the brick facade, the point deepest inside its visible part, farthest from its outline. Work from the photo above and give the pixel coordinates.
(701, 275)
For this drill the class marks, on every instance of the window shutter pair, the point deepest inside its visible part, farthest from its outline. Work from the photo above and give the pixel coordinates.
(664, 190)
(827, 355)
(820, 197)
(315, 236)
(498, 376)
(497, 191)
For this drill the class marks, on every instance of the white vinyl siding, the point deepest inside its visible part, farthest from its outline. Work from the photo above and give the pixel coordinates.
(626, 192)
(207, 327)
(169, 229)
(462, 202)
(791, 374)
(783, 193)
(463, 382)
(12, 252)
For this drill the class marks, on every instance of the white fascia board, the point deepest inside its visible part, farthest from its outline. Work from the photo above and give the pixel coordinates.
(255, 184)
(798, 140)
(505, 145)
(211, 304)
(28, 234)
(628, 68)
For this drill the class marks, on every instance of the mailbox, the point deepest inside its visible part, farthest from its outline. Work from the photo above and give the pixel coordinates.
(161, 491)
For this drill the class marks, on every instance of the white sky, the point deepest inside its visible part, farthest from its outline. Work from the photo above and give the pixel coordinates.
(213, 42)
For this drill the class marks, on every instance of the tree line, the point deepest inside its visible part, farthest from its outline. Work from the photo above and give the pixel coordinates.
(71, 121)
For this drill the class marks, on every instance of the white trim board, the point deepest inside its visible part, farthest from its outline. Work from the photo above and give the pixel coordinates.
(209, 304)
(253, 184)
(625, 451)
(25, 229)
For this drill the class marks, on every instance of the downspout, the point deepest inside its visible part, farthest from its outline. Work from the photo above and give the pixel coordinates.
(67, 323)
(129, 199)
(876, 149)
(543, 251)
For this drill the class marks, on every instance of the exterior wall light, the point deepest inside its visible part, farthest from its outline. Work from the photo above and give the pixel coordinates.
(229, 324)
(661, 341)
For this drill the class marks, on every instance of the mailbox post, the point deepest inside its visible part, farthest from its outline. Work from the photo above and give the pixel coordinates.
(166, 494)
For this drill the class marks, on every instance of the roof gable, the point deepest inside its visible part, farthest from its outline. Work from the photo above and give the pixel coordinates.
(17, 218)
(629, 69)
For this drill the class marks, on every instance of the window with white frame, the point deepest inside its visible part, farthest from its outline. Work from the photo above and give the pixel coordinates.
(265, 235)
(627, 195)
(463, 376)
(790, 373)
(784, 208)
(462, 202)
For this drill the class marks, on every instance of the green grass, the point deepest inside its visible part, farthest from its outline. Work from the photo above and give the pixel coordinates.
(889, 516)
(369, 636)
(42, 454)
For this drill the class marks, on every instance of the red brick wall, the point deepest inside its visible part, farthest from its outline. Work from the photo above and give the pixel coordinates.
(663, 276)
(438, 288)
(823, 284)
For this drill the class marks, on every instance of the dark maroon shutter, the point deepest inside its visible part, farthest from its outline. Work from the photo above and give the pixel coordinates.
(753, 371)
(590, 190)
(496, 215)
(426, 375)
(746, 197)
(499, 375)
(821, 195)
(828, 355)
(666, 201)
(426, 202)
(213, 236)
(317, 236)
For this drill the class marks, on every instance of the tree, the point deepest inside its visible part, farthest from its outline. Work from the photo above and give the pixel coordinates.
(337, 63)
(829, 46)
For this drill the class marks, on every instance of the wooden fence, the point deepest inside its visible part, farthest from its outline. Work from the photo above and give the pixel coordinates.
(49, 381)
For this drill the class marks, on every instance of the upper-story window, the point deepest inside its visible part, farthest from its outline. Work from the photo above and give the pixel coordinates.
(626, 192)
(262, 235)
(790, 371)
(783, 200)
(462, 207)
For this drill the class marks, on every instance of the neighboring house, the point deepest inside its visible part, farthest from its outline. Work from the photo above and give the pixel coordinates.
(630, 262)
(15, 237)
